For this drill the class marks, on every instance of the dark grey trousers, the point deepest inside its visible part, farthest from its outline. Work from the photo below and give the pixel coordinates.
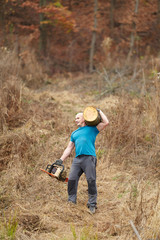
(83, 164)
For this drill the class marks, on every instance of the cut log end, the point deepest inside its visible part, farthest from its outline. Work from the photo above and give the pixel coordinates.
(91, 116)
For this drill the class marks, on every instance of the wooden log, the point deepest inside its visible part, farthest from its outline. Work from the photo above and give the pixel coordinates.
(91, 116)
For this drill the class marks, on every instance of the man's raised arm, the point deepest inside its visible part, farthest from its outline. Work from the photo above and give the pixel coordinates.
(104, 121)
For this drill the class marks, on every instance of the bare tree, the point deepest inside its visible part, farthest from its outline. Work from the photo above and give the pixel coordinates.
(133, 30)
(42, 40)
(158, 11)
(113, 2)
(2, 16)
(93, 42)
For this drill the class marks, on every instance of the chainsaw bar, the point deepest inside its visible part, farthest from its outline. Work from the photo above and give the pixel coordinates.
(52, 175)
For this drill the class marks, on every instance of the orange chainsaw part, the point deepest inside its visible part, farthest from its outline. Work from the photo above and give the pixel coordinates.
(52, 175)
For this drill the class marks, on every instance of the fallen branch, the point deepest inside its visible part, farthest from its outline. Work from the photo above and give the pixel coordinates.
(135, 230)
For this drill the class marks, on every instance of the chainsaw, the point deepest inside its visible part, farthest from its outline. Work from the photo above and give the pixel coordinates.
(56, 171)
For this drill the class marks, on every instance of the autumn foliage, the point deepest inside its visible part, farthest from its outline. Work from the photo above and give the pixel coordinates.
(61, 31)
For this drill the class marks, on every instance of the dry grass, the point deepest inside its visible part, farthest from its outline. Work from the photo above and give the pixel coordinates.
(14, 71)
(35, 129)
(134, 131)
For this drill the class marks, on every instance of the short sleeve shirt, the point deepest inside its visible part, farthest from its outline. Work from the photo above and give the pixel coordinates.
(84, 140)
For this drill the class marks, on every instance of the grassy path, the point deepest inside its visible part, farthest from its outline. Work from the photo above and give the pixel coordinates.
(39, 203)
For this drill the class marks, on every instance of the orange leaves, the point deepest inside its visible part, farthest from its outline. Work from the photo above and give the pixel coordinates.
(30, 27)
(59, 16)
(30, 4)
(55, 15)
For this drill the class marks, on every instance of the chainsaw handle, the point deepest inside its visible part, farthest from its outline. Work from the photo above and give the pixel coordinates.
(51, 166)
(48, 168)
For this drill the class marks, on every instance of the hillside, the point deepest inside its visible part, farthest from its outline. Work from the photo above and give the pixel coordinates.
(35, 132)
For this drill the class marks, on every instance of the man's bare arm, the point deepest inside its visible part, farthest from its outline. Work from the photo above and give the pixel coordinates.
(104, 121)
(67, 151)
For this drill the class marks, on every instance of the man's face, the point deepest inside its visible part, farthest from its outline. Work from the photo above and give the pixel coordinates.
(79, 119)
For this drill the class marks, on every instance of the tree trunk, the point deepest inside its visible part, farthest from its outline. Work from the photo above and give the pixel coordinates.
(70, 5)
(2, 17)
(158, 20)
(133, 31)
(43, 38)
(93, 42)
(1, 12)
(112, 14)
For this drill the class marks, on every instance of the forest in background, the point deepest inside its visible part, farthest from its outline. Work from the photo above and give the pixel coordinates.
(73, 35)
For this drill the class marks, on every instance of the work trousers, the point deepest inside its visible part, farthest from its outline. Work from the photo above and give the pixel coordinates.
(83, 164)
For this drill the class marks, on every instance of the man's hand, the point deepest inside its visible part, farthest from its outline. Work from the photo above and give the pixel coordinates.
(58, 162)
(98, 110)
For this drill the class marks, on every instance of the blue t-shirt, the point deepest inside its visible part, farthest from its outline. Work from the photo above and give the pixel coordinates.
(84, 139)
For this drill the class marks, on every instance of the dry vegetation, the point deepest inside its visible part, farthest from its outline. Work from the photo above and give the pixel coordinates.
(35, 127)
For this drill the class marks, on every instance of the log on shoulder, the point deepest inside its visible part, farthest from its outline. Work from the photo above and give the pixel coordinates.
(91, 116)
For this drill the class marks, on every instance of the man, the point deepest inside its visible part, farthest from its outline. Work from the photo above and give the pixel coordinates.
(83, 139)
